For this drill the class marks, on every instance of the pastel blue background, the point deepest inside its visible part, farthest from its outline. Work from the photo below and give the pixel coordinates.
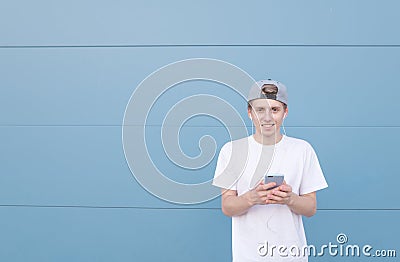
(68, 69)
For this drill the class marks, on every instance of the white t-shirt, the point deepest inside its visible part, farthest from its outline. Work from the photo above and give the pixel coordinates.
(264, 231)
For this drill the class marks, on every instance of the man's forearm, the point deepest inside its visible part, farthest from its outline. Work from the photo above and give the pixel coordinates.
(235, 205)
(305, 205)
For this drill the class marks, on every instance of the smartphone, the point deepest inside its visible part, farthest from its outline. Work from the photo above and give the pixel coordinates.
(278, 179)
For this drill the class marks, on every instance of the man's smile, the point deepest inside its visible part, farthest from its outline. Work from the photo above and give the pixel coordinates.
(268, 125)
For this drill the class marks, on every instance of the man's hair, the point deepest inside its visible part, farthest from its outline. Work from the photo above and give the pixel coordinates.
(269, 89)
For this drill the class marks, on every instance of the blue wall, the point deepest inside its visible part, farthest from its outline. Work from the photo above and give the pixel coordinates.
(69, 68)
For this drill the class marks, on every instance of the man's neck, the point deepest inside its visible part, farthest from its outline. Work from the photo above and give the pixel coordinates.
(270, 140)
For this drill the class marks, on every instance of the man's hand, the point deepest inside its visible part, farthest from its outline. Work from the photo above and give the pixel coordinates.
(281, 195)
(259, 195)
(234, 205)
(305, 205)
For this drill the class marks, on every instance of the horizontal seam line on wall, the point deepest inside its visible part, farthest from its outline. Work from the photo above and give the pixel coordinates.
(158, 125)
(200, 45)
(180, 208)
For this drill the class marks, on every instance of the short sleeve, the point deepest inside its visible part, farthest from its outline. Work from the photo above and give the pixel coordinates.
(222, 176)
(313, 178)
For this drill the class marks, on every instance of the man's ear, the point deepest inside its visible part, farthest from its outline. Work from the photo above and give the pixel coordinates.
(286, 112)
(249, 113)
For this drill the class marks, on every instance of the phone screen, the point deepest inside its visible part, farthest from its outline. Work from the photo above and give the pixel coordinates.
(278, 179)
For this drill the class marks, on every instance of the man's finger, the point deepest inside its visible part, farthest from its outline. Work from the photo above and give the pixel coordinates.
(279, 193)
(269, 185)
(275, 198)
(285, 188)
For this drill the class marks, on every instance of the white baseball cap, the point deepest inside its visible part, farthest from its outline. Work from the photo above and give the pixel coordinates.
(256, 91)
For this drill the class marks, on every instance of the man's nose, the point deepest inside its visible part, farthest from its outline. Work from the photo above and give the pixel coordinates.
(267, 116)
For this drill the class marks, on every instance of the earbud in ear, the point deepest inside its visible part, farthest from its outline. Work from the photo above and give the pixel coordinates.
(251, 118)
(284, 116)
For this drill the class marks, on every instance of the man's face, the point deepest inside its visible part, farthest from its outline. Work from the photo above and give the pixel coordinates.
(267, 116)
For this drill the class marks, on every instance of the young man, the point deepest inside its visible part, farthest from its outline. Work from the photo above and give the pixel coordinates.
(267, 222)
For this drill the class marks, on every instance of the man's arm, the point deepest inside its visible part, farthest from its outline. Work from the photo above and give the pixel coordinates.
(305, 205)
(234, 205)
